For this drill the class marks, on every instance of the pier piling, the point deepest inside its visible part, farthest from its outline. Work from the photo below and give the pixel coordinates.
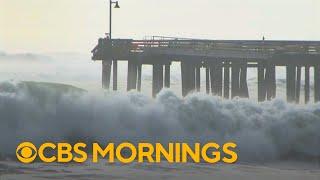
(235, 79)
(298, 84)
(307, 84)
(132, 75)
(188, 76)
(261, 82)
(244, 91)
(291, 82)
(167, 76)
(115, 75)
(106, 74)
(317, 83)
(226, 78)
(157, 82)
(198, 78)
(207, 79)
(139, 77)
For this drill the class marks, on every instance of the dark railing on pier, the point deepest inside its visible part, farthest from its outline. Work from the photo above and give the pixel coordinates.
(225, 61)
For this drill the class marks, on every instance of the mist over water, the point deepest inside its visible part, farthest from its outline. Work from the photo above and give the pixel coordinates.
(263, 131)
(78, 70)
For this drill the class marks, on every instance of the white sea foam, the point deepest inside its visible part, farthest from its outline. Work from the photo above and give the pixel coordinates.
(263, 131)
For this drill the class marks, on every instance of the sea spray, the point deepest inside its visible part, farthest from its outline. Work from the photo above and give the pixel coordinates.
(263, 131)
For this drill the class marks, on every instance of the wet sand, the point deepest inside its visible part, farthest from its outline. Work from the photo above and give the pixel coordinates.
(240, 171)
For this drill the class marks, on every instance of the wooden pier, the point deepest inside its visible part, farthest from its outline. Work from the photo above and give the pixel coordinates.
(225, 62)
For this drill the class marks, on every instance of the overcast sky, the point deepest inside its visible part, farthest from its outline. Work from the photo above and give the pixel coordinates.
(75, 25)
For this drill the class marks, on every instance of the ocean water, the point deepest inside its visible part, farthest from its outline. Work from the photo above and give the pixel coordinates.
(266, 131)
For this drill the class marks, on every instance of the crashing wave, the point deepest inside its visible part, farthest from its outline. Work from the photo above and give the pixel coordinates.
(263, 131)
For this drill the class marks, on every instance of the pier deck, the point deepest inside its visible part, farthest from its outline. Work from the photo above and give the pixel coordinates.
(225, 61)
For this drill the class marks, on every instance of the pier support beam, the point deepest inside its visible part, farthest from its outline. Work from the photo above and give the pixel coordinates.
(184, 79)
(291, 82)
(167, 76)
(219, 81)
(226, 83)
(115, 75)
(274, 81)
(188, 77)
(157, 82)
(139, 77)
(216, 78)
(294, 83)
(243, 87)
(106, 74)
(191, 77)
(207, 80)
(198, 79)
(317, 83)
(270, 81)
(298, 84)
(132, 75)
(307, 84)
(235, 79)
(266, 81)
(261, 82)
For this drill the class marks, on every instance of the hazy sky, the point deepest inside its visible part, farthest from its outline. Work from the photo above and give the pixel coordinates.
(75, 25)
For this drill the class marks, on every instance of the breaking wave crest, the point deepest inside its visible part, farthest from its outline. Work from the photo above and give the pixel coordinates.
(263, 131)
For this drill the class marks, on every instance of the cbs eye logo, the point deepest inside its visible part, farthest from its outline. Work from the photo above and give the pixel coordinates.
(26, 152)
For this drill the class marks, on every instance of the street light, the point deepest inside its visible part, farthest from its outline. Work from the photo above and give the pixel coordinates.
(110, 21)
(115, 62)
(117, 5)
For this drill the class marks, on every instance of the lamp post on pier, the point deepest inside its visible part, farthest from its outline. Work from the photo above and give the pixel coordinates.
(115, 62)
(110, 16)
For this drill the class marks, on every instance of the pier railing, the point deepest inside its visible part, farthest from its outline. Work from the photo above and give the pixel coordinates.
(123, 47)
